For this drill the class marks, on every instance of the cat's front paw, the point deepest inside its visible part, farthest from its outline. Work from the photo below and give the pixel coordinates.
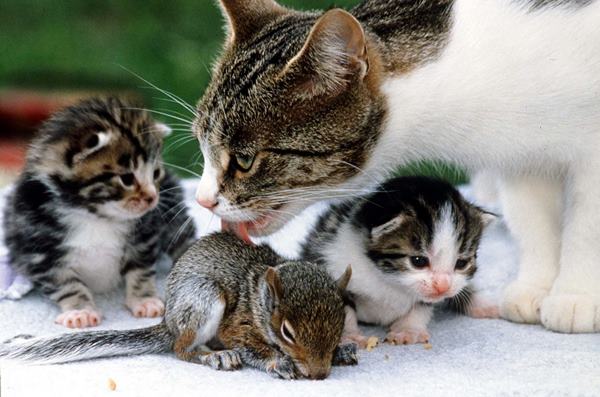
(223, 360)
(345, 354)
(521, 303)
(146, 307)
(571, 313)
(407, 337)
(283, 368)
(79, 318)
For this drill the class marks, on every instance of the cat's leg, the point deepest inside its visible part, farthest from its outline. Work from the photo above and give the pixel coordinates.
(531, 209)
(75, 301)
(345, 354)
(574, 301)
(140, 289)
(352, 333)
(411, 328)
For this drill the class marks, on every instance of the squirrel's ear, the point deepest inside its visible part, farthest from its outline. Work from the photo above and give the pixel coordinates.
(344, 279)
(274, 283)
(334, 54)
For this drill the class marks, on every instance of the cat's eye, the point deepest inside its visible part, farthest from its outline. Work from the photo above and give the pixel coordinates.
(419, 261)
(288, 332)
(244, 162)
(127, 179)
(461, 264)
(157, 173)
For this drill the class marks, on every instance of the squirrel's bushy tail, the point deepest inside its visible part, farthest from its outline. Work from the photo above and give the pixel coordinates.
(87, 345)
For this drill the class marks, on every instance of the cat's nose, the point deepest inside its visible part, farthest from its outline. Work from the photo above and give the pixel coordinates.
(208, 203)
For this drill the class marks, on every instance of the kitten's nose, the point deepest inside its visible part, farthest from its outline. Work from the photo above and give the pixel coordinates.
(441, 284)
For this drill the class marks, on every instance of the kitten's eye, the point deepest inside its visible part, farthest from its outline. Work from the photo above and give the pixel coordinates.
(127, 179)
(156, 173)
(419, 261)
(288, 332)
(244, 163)
(461, 264)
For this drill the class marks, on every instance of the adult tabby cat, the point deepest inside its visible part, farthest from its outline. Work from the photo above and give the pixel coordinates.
(311, 105)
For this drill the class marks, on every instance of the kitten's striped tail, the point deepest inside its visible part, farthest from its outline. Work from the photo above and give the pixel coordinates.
(88, 345)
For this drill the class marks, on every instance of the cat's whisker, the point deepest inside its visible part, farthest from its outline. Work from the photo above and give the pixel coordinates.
(162, 114)
(182, 169)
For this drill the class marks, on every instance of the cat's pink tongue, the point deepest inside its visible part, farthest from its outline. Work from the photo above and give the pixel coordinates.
(240, 229)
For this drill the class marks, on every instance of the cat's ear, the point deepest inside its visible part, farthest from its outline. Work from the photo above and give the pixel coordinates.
(274, 284)
(334, 54)
(93, 143)
(344, 279)
(163, 129)
(246, 17)
(393, 224)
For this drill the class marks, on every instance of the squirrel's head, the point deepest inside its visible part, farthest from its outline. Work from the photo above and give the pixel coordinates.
(306, 314)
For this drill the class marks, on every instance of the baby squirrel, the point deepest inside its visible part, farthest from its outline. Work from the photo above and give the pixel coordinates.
(283, 317)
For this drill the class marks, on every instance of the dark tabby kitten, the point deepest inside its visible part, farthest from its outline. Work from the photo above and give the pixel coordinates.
(411, 244)
(93, 206)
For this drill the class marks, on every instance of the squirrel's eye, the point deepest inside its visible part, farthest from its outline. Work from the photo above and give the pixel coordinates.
(244, 162)
(127, 179)
(461, 264)
(419, 261)
(156, 173)
(287, 332)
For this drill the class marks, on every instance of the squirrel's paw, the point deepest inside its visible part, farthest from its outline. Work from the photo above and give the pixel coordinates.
(223, 360)
(146, 307)
(79, 318)
(407, 337)
(345, 354)
(283, 367)
(359, 339)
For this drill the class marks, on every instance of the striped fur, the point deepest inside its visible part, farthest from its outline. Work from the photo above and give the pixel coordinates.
(88, 209)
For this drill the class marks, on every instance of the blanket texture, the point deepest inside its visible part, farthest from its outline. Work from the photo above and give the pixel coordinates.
(468, 356)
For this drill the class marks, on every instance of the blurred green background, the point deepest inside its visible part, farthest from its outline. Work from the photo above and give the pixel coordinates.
(84, 45)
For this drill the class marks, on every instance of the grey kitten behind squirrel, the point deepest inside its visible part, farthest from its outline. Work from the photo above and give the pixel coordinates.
(94, 205)
(286, 320)
(411, 244)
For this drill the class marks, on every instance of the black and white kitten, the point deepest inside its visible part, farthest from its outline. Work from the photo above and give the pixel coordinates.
(94, 206)
(411, 244)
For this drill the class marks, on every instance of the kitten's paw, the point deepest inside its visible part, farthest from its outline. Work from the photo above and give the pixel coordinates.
(283, 368)
(358, 339)
(345, 354)
(79, 318)
(407, 337)
(482, 310)
(146, 307)
(571, 313)
(521, 303)
(223, 360)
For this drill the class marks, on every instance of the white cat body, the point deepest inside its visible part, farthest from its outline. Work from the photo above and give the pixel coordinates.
(517, 91)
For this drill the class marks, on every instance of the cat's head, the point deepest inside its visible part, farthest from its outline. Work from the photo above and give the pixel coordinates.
(291, 112)
(423, 235)
(103, 155)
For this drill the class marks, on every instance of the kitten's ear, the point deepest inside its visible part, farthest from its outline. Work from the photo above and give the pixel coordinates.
(379, 231)
(487, 217)
(246, 17)
(163, 129)
(334, 54)
(274, 284)
(344, 279)
(92, 144)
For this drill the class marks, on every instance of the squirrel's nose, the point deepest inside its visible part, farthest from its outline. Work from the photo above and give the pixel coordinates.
(318, 373)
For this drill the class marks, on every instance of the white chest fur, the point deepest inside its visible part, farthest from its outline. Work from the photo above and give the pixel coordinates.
(95, 249)
(377, 300)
